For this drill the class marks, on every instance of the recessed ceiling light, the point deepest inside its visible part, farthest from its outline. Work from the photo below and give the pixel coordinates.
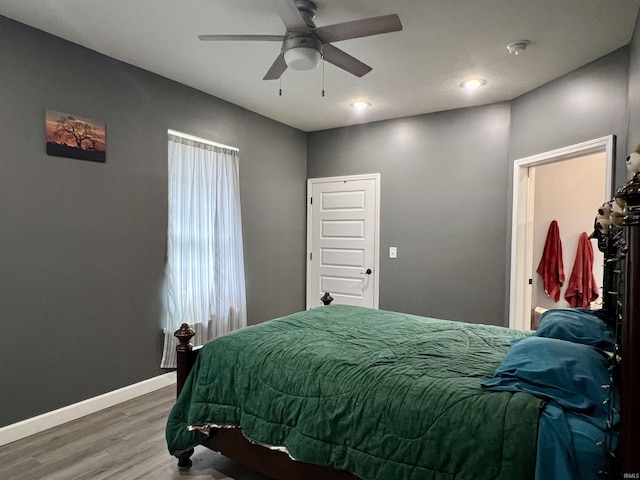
(361, 104)
(473, 83)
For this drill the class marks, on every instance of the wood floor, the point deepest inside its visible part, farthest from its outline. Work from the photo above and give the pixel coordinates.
(122, 442)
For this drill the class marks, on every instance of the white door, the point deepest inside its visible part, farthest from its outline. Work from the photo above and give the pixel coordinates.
(342, 240)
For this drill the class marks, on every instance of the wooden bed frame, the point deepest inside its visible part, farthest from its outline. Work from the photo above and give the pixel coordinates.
(621, 295)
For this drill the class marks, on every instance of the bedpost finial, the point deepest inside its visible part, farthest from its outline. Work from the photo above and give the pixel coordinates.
(326, 298)
(184, 334)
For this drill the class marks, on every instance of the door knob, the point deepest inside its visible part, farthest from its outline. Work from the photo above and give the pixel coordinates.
(368, 272)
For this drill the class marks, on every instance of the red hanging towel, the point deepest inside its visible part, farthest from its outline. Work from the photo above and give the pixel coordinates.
(582, 288)
(550, 266)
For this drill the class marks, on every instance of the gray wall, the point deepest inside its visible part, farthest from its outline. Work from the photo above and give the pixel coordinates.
(83, 244)
(443, 180)
(588, 103)
(633, 132)
(447, 182)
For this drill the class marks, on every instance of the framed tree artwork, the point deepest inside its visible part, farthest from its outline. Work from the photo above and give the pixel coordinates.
(75, 137)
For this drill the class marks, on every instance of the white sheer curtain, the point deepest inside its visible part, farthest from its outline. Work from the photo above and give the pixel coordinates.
(205, 282)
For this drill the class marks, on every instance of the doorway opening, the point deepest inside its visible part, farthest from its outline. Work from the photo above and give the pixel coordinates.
(567, 185)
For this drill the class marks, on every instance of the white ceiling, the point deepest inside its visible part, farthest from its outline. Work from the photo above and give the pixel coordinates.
(417, 70)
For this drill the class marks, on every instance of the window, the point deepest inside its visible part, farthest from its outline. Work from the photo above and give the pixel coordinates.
(205, 282)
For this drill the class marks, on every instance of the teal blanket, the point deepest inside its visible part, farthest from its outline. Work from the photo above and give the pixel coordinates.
(382, 395)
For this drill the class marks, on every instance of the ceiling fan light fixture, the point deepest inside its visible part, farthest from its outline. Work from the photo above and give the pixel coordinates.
(302, 58)
(304, 44)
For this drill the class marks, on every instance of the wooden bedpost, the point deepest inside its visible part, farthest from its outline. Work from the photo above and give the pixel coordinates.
(630, 377)
(185, 356)
(326, 299)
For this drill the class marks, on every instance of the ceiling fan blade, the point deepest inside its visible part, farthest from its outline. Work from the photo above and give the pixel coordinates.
(264, 38)
(277, 68)
(345, 61)
(359, 28)
(290, 16)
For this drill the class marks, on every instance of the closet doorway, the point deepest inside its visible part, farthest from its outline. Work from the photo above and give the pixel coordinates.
(567, 185)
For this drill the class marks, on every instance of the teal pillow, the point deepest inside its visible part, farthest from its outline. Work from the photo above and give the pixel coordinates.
(571, 374)
(577, 325)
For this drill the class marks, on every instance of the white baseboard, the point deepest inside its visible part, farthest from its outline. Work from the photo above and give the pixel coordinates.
(48, 420)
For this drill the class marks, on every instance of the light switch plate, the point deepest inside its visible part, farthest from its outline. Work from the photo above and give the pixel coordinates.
(393, 252)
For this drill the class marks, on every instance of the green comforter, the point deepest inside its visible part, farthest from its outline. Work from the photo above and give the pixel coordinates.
(382, 395)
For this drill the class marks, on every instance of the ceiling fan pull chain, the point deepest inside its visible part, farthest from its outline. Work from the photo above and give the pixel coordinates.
(280, 87)
(323, 77)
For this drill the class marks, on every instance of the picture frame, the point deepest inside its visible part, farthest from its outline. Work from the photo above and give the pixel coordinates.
(73, 136)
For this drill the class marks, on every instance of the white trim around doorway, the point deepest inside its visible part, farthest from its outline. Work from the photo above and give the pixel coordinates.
(521, 212)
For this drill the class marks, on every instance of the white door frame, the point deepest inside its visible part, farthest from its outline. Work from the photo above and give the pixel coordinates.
(521, 221)
(376, 251)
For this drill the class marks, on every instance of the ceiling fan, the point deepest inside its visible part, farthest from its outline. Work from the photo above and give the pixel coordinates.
(304, 44)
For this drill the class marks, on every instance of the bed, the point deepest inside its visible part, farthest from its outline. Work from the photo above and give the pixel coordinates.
(342, 392)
